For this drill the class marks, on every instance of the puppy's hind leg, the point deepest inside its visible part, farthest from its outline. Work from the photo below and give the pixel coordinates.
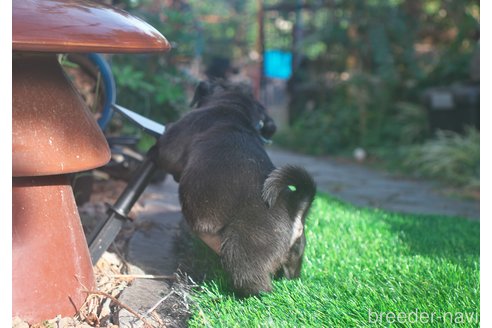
(241, 261)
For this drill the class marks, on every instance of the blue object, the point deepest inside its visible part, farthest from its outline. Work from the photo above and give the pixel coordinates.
(277, 64)
(109, 88)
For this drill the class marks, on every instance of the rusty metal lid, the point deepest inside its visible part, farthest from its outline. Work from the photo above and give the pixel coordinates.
(62, 26)
(53, 131)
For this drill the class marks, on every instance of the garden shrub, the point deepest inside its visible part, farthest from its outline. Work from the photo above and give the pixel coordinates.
(452, 157)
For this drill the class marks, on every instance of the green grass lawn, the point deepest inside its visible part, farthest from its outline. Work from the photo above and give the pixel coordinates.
(363, 267)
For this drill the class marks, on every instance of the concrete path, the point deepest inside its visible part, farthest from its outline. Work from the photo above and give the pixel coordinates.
(359, 185)
(156, 246)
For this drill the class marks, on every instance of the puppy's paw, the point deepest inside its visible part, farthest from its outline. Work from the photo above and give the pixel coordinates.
(247, 288)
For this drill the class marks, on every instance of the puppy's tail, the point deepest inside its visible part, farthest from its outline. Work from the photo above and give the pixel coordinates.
(294, 185)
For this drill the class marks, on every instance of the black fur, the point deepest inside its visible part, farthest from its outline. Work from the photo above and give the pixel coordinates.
(209, 91)
(229, 189)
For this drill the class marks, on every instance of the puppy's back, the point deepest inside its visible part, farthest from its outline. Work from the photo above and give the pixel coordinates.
(224, 175)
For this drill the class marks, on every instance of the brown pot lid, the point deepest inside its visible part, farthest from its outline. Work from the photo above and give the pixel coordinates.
(53, 131)
(80, 26)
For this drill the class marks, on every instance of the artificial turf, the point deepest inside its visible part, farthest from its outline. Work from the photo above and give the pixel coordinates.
(363, 267)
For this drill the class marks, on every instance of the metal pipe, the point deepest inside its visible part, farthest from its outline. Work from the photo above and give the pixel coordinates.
(107, 230)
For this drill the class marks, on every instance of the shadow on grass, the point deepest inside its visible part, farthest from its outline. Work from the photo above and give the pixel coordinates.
(452, 238)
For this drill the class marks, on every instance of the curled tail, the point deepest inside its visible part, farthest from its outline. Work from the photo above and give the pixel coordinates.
(291, 184)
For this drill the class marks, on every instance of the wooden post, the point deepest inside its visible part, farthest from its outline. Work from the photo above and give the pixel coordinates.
(260, 48)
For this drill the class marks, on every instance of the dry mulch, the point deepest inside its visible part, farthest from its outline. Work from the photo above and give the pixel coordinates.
(102, 306)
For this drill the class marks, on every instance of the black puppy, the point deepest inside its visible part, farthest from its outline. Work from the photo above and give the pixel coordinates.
(249, 212)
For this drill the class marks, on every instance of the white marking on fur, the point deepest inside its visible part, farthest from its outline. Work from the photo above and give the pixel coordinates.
(297, 229)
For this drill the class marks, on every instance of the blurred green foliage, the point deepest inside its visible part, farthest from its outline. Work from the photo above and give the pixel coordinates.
(226, 28)
(155, 84)
(158, 86)
(363, 66)
(366, 65)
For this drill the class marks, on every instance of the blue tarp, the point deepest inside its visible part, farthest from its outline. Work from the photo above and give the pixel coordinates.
(278, 64)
